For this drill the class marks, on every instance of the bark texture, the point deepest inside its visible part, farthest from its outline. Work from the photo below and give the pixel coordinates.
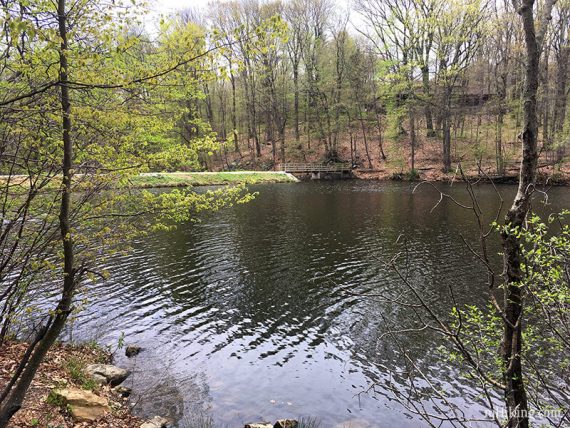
(513, 373)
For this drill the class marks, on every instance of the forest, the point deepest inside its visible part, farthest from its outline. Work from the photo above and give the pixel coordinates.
(372, 83)
(392, 87)
(148, 206)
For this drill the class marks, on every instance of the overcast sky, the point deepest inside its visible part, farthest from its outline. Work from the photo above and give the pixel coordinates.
(166, 7)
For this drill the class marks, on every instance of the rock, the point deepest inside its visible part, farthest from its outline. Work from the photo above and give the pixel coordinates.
(156, 422)
(106, 373)
(132, 350)
(259, 425)
(123, 391)
(286, 423)
(58, 382)
(167, 400)
(84, 405)
(101, 380)
(354, 423)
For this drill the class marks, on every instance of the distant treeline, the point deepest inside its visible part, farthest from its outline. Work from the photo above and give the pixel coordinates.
(411, 67)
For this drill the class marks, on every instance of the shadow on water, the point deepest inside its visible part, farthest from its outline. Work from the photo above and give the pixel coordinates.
(254, 313)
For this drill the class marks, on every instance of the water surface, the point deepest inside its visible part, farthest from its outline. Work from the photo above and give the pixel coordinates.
(254, 313)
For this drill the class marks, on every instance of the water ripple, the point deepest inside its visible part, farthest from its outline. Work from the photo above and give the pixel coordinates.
(266, 298)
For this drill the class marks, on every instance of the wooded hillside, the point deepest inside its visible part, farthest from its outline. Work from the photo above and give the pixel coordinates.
(376, 83)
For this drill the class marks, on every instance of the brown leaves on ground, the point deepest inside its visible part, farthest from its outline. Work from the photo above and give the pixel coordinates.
(61, 367)
(428, 157)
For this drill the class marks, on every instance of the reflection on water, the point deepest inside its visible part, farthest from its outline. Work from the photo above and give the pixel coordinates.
(253, 313)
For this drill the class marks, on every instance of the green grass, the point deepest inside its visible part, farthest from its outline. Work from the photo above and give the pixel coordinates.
(181, 179)
(54, 399)
(76, 370)
(174, 179)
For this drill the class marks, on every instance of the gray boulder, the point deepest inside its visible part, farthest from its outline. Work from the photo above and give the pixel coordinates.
(259, 425)
(107, 374)
(156, 422)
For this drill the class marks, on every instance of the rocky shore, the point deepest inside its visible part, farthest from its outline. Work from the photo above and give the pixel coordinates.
(76, 386)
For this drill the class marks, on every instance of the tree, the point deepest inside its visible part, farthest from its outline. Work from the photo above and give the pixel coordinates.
(502, 47)
(268, 60)
(534, 308)
(561, 47)
(222, 21)
(405, 47)
(317, 15)
(293, 13)
(78, 157)
(512, 343)
(458, 36)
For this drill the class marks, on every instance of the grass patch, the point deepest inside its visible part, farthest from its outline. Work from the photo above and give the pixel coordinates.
(19, 185)
(76, 369)
(55, 400)
(412, 175)
(182, 179)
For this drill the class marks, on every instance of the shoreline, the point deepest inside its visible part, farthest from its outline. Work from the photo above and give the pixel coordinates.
(218, 178)
(157, 180)
(65, 368)
(213, 178)
(151, 180)
(77, 385)
(433, 175)
(505, 180)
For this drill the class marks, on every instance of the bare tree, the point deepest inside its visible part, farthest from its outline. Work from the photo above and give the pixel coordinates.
(294, 14)
(561, 46)
(458, 36)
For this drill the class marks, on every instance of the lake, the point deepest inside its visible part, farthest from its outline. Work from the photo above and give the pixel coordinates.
(256, 313)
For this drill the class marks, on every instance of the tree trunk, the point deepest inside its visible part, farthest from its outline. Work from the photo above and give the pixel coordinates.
(282, 144)
(250, 129)
(511, 346)
(446, 125)
(249, 86)
(296, 102)
(49, 334)
(340, 65)
(561, 97)
(380, 140)
(427, 101)
(208, 101)
(352, 140)
(413, 139)
(308, 121)
(364, 137)
(546, 140)
(234, 113)
(446, 144)
(502, 94)
(222, 113)
(499, 158)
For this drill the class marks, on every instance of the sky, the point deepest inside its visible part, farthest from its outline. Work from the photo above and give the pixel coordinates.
(166, 7)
